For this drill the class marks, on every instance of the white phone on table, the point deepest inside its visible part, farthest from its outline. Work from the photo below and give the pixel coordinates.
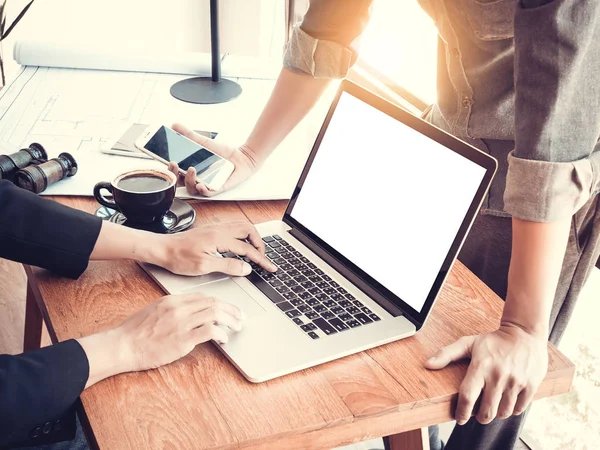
(165, 144)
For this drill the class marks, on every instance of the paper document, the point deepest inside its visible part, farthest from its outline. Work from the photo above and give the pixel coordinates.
(53, 54)
(82, 111)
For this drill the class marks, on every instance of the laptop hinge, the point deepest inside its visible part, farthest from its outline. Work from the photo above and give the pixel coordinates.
(348, 274)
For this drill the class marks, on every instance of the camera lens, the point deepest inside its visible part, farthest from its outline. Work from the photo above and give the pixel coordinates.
(37, 178)
(11, 164)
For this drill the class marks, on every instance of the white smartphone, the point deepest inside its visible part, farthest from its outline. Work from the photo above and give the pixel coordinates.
(165, 144)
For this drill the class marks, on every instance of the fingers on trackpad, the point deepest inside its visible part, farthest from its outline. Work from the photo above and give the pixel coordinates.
(229, 291)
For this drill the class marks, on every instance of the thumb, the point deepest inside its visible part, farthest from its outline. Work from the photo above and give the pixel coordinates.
(190, 134)
(456, 351)
(174, 169)
(230, 266)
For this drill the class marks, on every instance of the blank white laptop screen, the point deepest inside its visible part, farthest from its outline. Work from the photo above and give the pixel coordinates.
(386, 197)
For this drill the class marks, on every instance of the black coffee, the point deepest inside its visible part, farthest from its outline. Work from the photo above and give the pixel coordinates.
(143, 183)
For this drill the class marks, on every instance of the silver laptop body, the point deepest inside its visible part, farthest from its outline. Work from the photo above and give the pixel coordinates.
(379, 214)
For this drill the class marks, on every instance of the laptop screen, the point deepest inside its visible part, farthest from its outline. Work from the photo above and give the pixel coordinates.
(386, 197)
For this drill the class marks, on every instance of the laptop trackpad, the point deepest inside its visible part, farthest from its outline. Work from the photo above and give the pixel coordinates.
(228, 291)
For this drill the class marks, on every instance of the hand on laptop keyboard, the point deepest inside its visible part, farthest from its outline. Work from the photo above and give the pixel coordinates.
(307, 295)
(195, 252)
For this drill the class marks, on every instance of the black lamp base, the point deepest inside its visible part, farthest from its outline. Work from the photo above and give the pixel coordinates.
(204, 90)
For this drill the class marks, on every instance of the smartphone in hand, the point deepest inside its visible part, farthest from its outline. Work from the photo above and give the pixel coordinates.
(165, 144)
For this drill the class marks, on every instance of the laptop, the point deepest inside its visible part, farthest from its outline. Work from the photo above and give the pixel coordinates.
(373, 227)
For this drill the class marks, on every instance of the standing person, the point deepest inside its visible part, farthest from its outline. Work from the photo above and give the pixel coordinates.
(518, 79)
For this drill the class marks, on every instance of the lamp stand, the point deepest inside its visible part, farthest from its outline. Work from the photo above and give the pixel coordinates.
(213, 89)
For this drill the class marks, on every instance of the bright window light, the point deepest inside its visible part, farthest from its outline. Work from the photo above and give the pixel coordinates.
(401, 42)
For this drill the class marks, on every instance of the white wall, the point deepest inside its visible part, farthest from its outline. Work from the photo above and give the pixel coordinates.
(401, 40)
(248, 27)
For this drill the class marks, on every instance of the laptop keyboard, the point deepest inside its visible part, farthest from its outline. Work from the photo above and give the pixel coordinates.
(305, 294)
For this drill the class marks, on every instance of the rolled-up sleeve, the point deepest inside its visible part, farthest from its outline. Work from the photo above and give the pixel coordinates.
(325, 43)
(555, 166)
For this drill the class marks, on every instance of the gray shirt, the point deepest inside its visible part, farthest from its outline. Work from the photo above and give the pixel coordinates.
(520, 79)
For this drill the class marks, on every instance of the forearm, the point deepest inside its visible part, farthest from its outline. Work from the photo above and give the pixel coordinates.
(105, 356)
(552, 169)
(119, 242)
(538, 251)
(293, 97)
(321, 49)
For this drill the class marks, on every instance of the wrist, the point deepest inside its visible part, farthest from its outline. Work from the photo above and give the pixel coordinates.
(255, 156)
(152, 248)
(527, 310)
(107, 355)
(532, 328)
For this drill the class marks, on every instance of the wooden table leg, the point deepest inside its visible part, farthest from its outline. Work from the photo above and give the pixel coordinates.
(33, 322)
(410, 440)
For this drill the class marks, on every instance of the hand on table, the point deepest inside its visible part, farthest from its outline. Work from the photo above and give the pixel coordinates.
(194, 252)
(506, 369)
(159, 334)
(242, 158)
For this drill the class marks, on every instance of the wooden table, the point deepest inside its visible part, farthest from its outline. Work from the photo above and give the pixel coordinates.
(202, 402)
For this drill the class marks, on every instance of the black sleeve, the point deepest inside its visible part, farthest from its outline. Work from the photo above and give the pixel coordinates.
(38, 393)
(44, 233)
(39, 389)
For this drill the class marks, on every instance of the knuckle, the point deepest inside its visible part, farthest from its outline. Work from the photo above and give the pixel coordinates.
(499, 373)
(171, 314)
(212, 234)
(478, 364)
(168, 303)
(207, 332)
(517, 382)
(233, 265)
(481, 364)
(176, 312)
(213, 313)
(215, 333)
(466, 397)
